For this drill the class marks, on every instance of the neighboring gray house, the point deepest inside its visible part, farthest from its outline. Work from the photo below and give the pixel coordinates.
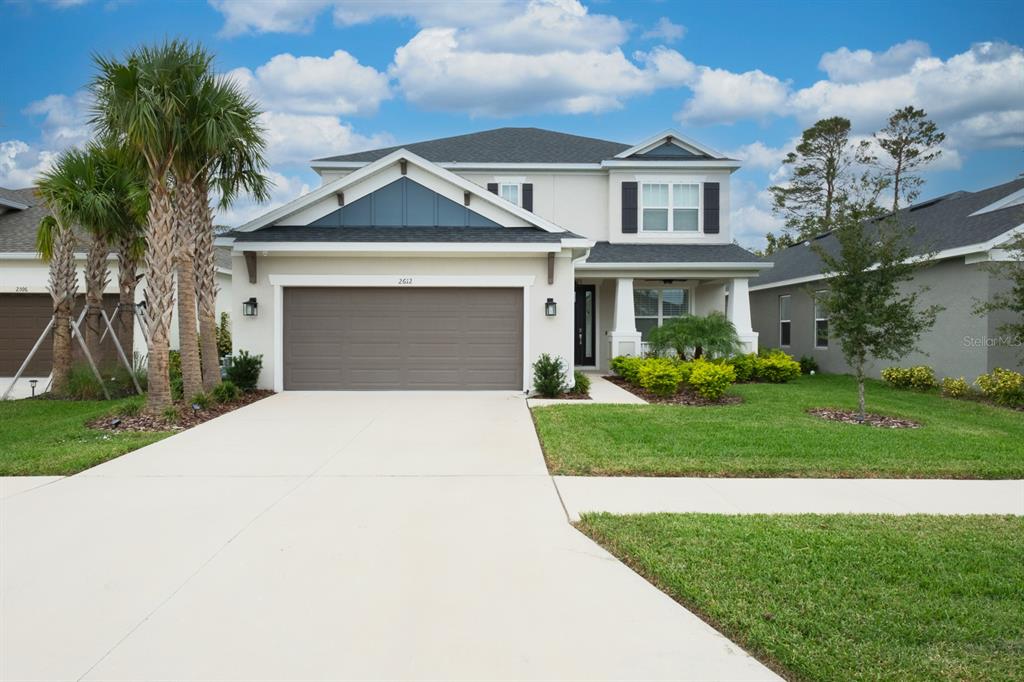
(964, 231)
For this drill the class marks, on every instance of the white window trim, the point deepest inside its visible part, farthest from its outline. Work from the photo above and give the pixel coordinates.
(670, 182)
(660, 317)
(789, 320)
(814, 329)
(510, 181)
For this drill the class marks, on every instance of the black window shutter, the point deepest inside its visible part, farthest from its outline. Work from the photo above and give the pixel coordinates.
(629, 207)
(528, 196)
(711, 211)
(492, 187)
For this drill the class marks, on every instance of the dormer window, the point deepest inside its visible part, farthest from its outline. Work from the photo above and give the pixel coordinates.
(670, 207)
(509, 191)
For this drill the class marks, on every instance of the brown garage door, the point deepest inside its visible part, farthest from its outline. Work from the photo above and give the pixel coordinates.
(23, 318)
(388, 338)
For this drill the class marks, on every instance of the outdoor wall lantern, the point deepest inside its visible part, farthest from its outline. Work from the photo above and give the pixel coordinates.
(550, 307)
(249, 307)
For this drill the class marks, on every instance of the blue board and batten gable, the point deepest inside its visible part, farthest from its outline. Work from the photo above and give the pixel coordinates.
(668, 150)
(404, 203)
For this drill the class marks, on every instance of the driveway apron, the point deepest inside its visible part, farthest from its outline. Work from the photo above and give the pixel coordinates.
(326, 536)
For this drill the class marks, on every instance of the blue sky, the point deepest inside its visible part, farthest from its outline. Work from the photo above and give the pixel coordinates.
(745, 78)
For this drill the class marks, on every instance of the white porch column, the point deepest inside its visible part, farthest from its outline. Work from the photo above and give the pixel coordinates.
(625, 339)
(738, 312)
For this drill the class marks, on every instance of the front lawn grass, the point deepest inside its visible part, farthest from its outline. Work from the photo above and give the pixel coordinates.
(49, 437)
(843, 597)
(771, 434)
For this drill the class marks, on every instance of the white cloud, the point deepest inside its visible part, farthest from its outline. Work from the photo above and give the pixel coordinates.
(853, 66)
(337, 85)
(297, 138)
(983, 80)
(546, 26)
(435, 71)
(990, 129)
(21, 163)
(759, 155)
(665, 30)
(65, 119)
(284, 189)
(268, 16)
(721, 96)
(751, 215)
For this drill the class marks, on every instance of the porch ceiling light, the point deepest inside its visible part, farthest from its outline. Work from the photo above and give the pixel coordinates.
(250, 307)
(550, 307)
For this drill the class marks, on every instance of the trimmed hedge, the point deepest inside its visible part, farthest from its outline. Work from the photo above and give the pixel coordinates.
(919, 377)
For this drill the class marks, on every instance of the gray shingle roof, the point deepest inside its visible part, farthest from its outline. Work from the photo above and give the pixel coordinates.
(460, 235)
(18, 227)
(939, 224)
(604, 252)
(502, 145)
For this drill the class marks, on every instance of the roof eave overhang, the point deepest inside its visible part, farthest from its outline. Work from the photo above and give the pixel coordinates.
(656, 140)
(327, 248)
(756, 266)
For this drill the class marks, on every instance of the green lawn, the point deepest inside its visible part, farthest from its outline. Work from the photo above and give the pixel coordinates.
(843, 597)
(770, 434)
(49, 437)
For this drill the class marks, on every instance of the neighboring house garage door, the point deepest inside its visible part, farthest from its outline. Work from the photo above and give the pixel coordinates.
(23, 317)
(402, 338)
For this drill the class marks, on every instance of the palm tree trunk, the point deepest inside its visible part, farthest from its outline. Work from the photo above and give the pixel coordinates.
(97, 276)
(188, 332)
(206, 286)
(127, 278)
(63, 289)
(159, 294)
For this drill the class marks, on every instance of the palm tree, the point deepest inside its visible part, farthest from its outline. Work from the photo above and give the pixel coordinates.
(227, 154)
(142, 102)
(61, 190)
(712, 334)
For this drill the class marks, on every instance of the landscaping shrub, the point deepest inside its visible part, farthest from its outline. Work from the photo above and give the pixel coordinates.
(777, 367)
(712, 335)
(745, 366)
(549, 376)
(132, 407)
(1002, 386)
(711, 380)
(245, 369)
(628, 368)
(177, 388)
(581, 385)
(920, 378)
(808, 364)
(660, 376)
(224, 335)
(82, 383)
(955, 388)
(202, 400)
(226, 392)
(171, 414)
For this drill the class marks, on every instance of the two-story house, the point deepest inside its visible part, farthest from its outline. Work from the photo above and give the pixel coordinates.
(456, 262)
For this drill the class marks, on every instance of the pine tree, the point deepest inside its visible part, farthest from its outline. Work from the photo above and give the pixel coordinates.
(909, 142)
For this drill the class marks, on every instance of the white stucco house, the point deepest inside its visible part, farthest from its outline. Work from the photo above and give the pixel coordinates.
(456, 262)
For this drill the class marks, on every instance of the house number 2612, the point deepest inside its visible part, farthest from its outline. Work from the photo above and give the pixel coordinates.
(405, 280)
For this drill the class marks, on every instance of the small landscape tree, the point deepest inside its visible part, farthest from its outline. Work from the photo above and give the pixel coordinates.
(871, 313)
(1012, 299)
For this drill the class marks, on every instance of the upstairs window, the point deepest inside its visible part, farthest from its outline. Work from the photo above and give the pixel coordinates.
(785, 322)
(653, 307)
(509, 192)
(820, 320)
(669, 207)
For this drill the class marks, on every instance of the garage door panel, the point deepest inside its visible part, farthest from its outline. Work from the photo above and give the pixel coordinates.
(388, 338)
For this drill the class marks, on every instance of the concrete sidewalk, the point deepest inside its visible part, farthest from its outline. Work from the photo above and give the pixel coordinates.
(602, 391)
(641, 495)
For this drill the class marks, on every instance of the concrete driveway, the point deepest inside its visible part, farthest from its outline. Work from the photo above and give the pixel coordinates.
(322, 536)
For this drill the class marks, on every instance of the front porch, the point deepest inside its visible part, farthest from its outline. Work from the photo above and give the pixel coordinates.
(614, 315)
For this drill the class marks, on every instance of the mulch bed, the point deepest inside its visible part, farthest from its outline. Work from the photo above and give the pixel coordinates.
(683, 397)
(188, 419)
(879, 421)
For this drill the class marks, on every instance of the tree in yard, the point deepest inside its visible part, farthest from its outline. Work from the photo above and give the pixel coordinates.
(870, 313)
(775, 243)
(821, 181)
(908, 142)
(1011, 300)
(141, 103)
(222, 152)
(55, 241)
(711, 334)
